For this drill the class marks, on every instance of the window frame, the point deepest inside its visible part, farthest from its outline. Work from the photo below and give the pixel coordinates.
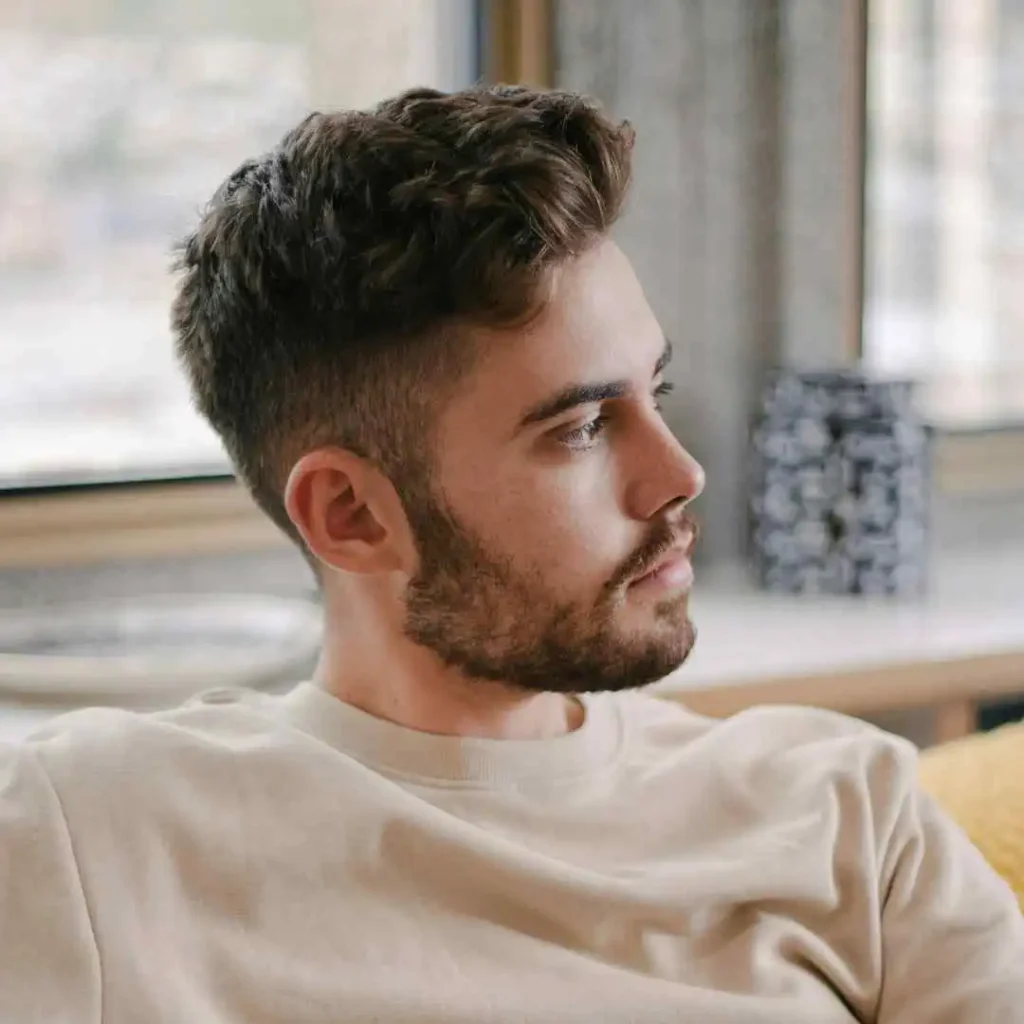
(517, 41)
(855, 67)
(972, 461)
(87, 522)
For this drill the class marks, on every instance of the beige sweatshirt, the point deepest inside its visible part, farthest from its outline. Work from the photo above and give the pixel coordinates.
(257, 860)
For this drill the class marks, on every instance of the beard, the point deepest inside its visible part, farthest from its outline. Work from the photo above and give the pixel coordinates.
(492, 620)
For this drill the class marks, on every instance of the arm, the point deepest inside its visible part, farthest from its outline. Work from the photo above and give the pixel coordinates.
(49, 961)
(952, 933)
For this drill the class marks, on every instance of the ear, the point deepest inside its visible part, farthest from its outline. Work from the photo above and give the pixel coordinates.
(348, 513)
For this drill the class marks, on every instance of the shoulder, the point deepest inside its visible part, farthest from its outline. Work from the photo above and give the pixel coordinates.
(93, 747)
(801, 750)
(792, 733)
(49, 967)
(124, 781)
(766, 729)
(209, 711)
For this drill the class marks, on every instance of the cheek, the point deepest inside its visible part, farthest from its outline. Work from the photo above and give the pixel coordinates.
(570, 528)
(566, 522)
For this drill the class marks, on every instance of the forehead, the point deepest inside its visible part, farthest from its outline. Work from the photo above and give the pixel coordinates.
(597, 326)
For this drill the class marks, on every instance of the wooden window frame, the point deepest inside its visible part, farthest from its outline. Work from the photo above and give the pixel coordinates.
(855, 86)
(518, 42)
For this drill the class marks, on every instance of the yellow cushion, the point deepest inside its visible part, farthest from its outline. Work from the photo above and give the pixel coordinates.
(979, 780)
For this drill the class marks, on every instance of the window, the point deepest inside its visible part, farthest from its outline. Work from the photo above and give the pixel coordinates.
(945, 202)
(119, 119)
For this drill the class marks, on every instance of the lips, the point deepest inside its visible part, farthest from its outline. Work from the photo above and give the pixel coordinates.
(670, 558)
(675, 562)
(683, 549)
(671, 575)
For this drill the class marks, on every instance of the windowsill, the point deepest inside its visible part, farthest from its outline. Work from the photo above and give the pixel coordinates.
(167, 519)
(963, 641)
(969, 402)
(75, 525)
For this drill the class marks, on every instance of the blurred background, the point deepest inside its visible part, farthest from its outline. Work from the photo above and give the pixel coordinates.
(821, 185)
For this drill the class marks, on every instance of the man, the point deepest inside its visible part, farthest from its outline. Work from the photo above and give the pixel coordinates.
(439, 375)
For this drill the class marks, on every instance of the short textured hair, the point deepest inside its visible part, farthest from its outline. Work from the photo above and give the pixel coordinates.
(324, 297)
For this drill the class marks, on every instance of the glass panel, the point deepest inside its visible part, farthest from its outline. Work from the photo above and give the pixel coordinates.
(945, 200)
(119, 119)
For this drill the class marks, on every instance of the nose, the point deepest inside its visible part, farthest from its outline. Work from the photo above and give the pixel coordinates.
(664, 474)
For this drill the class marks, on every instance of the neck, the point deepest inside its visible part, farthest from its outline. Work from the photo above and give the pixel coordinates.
(370, 664)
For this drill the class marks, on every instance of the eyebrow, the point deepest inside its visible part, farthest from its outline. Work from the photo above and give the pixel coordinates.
(585, 394)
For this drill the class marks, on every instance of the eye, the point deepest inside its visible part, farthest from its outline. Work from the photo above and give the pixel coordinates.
(663, 389)
(584, 436)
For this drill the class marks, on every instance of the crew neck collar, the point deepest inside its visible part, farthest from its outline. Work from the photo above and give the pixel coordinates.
(430, 758)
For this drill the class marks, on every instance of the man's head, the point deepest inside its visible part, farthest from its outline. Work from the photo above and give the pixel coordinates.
(436, 373)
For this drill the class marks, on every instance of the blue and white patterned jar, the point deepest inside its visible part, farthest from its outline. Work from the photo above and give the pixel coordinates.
(839, 485)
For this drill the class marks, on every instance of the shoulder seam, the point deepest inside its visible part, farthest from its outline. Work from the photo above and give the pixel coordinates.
(78, 870)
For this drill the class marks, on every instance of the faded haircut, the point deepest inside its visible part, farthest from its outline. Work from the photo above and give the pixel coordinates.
(328, 294)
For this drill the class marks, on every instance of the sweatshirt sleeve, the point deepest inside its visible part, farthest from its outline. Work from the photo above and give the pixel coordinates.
(49, 961)
(952, 932)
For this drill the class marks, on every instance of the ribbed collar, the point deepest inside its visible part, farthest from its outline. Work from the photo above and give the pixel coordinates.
(429, 758)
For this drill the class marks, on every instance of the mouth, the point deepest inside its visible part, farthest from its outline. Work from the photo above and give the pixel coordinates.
(672, 571)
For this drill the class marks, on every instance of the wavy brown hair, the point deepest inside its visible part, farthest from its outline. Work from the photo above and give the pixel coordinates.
(325, 296)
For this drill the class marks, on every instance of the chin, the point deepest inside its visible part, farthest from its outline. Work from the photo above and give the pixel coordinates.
(659, 618)
(678, 648)
(675, 628)
(654, 653)
(675, 607)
